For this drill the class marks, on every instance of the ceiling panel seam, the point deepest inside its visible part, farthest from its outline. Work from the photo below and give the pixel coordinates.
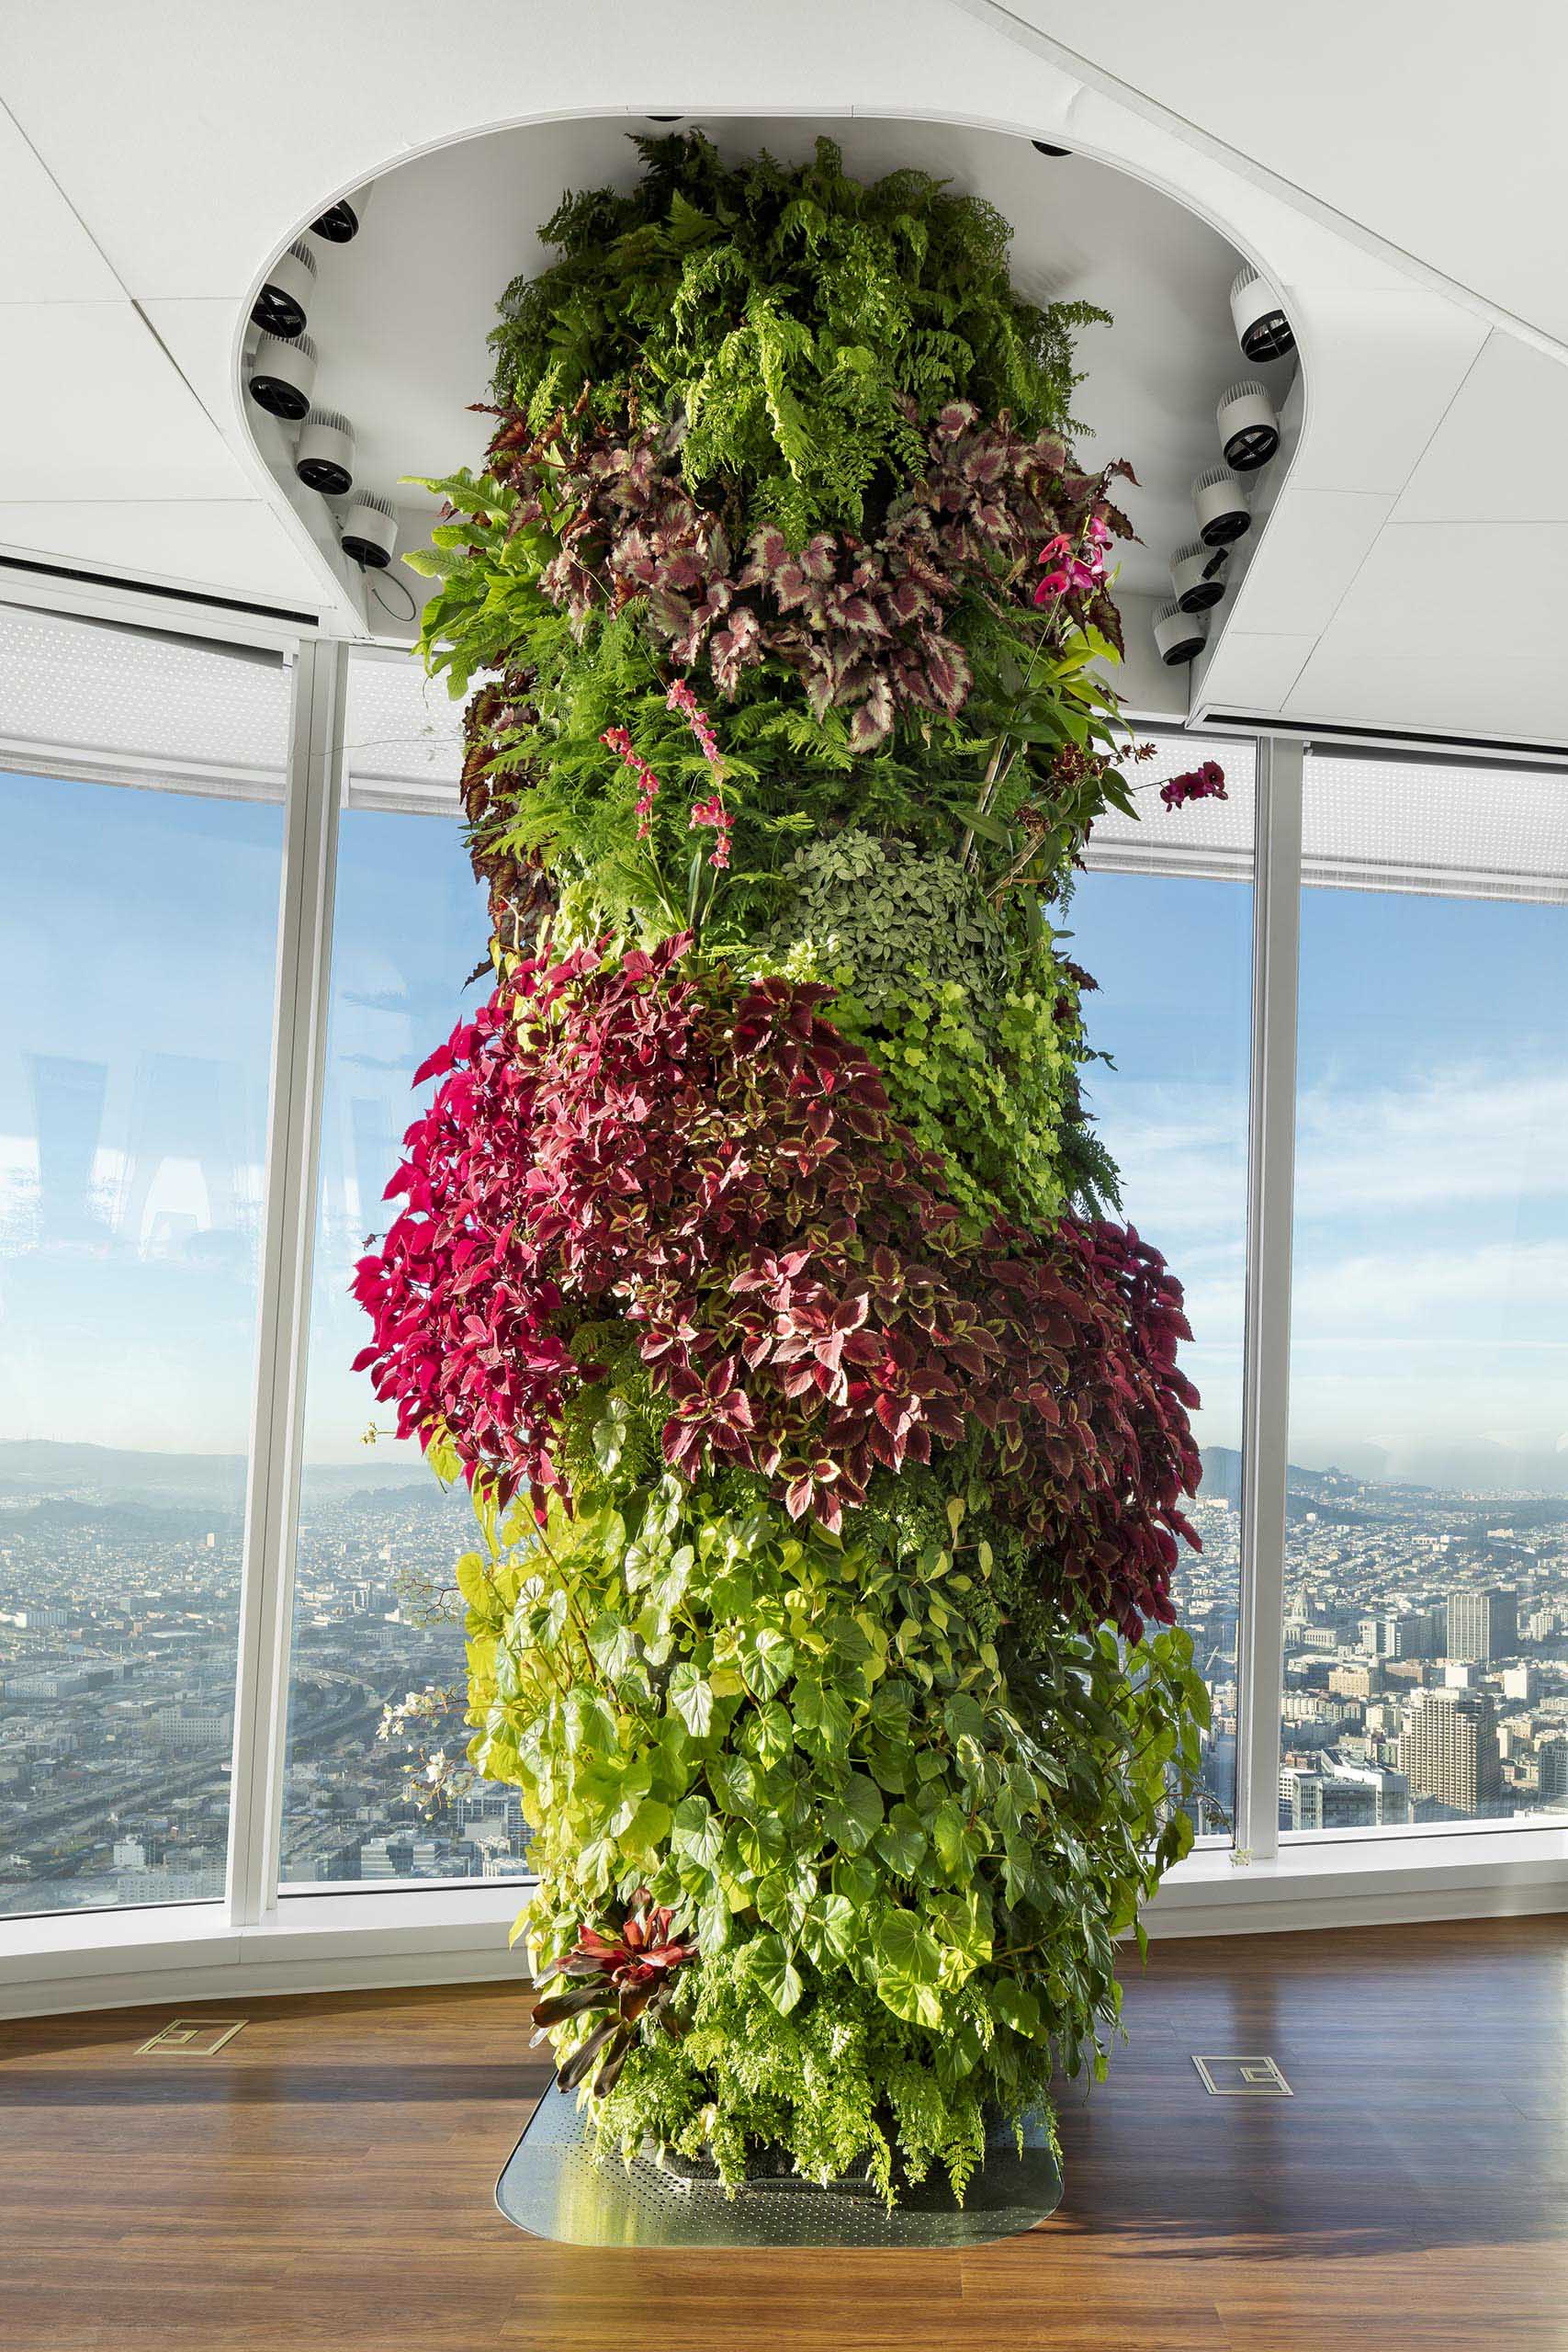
(1016, 29)
(1393, 499)
(21, 132)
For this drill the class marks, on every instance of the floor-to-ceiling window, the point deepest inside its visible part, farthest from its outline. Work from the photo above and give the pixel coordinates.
(1162, 919)
(1424, 1625)
(136, 976)
(1425, 1658)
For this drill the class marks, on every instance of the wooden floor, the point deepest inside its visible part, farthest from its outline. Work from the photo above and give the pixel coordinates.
(326, 2181)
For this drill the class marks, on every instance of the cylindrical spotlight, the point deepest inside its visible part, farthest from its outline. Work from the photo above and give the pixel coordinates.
(1219, 501)
(283, 306)
(1197, 575)
(324, 456)
(1179, 636)
(342, 222)
(370, 533)
(1262, 328)
(1249, 430)
(282, 375)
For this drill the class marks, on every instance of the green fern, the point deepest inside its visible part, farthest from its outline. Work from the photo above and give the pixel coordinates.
(802, 324)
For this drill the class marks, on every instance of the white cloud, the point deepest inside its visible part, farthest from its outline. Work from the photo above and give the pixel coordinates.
(1454, 1138)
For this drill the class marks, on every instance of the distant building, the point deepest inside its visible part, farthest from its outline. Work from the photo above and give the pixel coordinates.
(1551, 1759)
(1521, 1682)
(1333, 1794)
(1449, 1750)
(193, 1726)
(1484, 1625)
(1414, 1633)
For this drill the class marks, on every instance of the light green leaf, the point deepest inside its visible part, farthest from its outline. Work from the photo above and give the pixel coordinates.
(776, 1972)
(767, 1661)
(691, 1697)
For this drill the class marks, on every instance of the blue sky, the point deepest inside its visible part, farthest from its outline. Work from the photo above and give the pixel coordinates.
(136, 970)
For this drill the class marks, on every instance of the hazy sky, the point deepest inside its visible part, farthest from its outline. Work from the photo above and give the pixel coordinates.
(136, 962)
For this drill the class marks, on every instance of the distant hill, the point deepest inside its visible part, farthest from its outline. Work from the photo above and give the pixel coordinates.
(45, 1518)
(1221, 1476)
(1476, 1465)
(48, 1466)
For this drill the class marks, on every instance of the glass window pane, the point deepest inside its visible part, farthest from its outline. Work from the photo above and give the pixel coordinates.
(1163, 920)
(136, 970)
(375, 1616)
(1427, 1569)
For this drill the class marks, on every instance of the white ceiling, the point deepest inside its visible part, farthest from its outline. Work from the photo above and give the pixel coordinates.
(1431, 127)
(1385, 170)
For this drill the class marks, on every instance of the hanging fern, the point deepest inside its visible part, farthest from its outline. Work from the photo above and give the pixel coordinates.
(802, 326)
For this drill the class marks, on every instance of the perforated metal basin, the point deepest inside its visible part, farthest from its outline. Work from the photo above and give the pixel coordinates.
(555, 2186)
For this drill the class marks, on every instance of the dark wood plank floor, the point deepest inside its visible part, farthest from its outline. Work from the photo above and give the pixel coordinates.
(326, 2181)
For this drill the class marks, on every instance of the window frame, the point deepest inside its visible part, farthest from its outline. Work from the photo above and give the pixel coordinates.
(261, 1936)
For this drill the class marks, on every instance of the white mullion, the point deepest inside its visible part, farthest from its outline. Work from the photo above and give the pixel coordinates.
(312, 798)
(1276, 931)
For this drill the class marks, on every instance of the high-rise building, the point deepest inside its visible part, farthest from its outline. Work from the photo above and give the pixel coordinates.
(1484, 1625)
(1551, 1759)
(1449, 1750)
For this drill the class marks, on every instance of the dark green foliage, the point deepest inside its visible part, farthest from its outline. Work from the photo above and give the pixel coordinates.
(792, 317)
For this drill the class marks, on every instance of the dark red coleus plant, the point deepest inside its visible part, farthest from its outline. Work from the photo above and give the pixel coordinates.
(615, 1137)
(628, 1975)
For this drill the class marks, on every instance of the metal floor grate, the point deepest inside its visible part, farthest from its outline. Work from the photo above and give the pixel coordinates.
(553, 2185)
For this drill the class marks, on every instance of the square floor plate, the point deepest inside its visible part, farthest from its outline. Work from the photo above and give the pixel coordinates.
(1243, 2077)
(557, 2186)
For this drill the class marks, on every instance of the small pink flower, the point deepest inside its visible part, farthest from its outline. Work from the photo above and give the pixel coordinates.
(681, 697)
(615, 739)
(713, 814)
(1053, 586)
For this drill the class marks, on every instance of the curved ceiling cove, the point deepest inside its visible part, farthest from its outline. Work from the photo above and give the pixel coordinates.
(398, 321)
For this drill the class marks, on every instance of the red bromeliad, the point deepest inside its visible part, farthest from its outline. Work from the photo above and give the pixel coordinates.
(629, 1974)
